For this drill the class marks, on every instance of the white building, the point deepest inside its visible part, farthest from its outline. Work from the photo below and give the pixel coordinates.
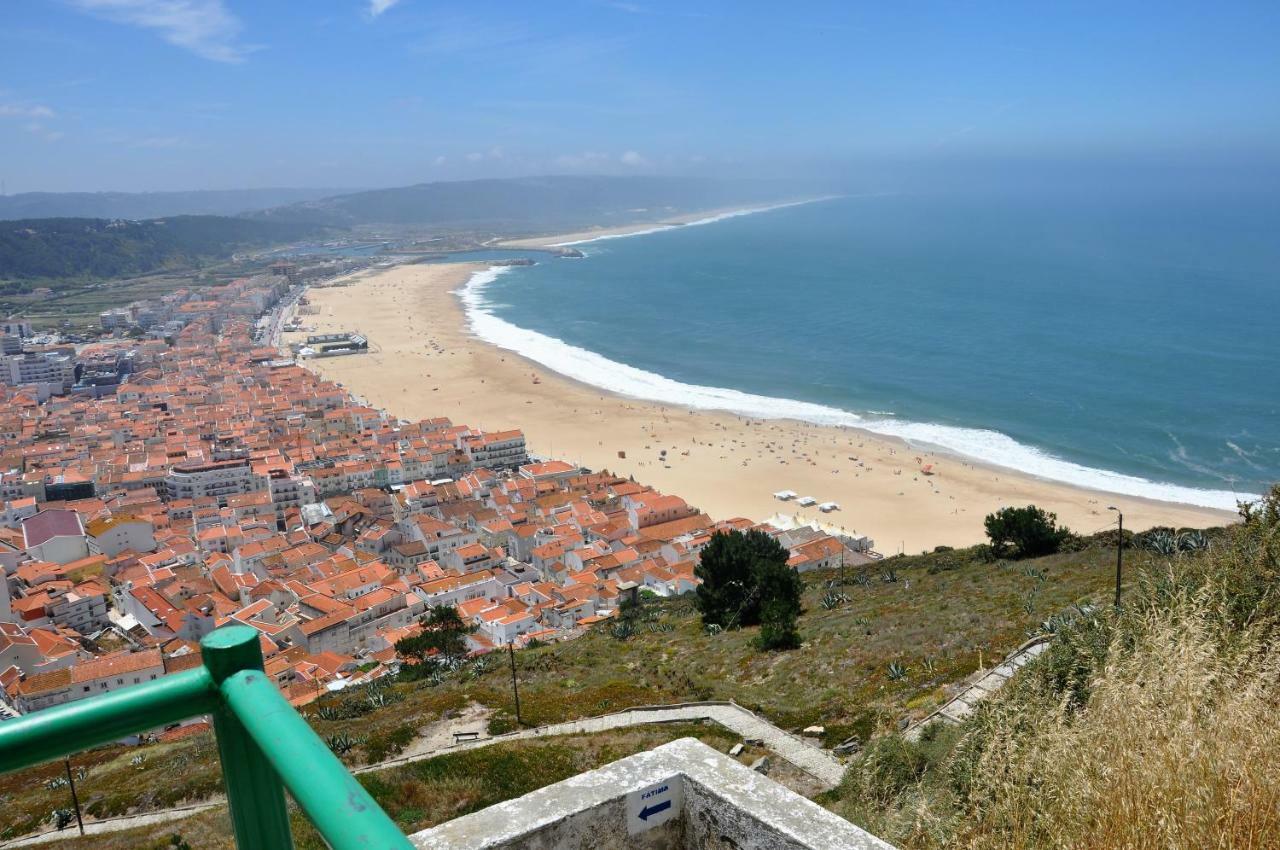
(54, 372)
(121, 533)
(56, 536)
(216, 479)
(88, 678)
(501, 450)
(17, 327)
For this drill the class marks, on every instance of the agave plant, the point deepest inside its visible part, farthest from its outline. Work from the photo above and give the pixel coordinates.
(833, 600)
(1193, 541)
(138, 761)
(56, 783)
(713, 629)
(1161, 542)
(342, 744)
(621, 631)
(897, 672)
(889, 576)
(328, 712)
(929, 666)
(1031, 572)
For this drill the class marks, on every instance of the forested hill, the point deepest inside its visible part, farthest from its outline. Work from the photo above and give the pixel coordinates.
(140, 205)
(51, 248)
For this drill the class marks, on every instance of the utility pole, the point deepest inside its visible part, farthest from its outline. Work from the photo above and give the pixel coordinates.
(1119, 550)
(75, 800)
(515, 688)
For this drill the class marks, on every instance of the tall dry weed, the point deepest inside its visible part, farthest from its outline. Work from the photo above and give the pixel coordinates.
(1177, 748)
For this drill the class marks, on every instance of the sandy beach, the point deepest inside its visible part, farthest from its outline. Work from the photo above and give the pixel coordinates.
(423, 362)
(659, 223)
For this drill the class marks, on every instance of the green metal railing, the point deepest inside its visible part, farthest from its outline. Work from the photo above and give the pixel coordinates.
(264, 745)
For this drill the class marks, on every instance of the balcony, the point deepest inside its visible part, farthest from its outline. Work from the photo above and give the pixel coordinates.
(264, 745)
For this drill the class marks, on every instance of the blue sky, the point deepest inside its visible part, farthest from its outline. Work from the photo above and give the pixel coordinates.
(179, 94)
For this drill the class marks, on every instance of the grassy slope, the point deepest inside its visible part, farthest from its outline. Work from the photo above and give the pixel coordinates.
(430, 792)
(943, 612)
(1148, 728)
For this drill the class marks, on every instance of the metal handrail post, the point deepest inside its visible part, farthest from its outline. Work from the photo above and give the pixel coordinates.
(254, 792)
(332, 799)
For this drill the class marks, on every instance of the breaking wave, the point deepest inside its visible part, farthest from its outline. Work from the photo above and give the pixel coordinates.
(986, 446)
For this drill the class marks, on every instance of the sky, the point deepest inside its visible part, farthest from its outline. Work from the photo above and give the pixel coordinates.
(137, 95)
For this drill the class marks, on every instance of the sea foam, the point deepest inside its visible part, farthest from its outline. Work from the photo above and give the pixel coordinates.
(986, 446)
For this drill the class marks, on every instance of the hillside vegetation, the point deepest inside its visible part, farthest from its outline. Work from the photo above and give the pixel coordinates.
(152, 204)
(61, 248)
(934, 617)
(420, 795)
(1153, 726)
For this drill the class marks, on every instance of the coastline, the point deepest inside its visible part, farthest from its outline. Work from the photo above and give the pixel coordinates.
(580, 237)
(425, 361)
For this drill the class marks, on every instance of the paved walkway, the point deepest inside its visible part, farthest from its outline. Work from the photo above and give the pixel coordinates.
(818, 763)
(117, 824)
(960, 706)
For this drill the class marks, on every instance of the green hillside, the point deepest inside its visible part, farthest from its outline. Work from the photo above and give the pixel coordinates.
(77, 248)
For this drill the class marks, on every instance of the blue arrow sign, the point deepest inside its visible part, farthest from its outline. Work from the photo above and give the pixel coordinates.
(654, 805)
(649, 811)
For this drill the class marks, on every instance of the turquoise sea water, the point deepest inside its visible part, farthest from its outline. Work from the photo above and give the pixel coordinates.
(1129, 346)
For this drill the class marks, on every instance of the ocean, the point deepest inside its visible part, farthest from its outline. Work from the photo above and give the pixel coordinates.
(1128, 346)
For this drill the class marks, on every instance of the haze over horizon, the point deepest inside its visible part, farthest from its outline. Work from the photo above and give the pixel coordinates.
(166, 95)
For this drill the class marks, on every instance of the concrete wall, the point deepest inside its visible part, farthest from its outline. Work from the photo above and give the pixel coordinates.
(725, 806)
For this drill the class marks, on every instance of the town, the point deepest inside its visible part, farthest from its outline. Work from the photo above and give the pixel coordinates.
(182, 473)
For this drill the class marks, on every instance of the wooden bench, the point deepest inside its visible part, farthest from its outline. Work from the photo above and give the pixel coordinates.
(459, 737)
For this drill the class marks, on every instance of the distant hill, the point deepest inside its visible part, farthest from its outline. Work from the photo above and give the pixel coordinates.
(51, 248)
(142, 205)
(540, 204)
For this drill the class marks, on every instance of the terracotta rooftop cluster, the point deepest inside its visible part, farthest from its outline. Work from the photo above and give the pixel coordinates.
(220, 484)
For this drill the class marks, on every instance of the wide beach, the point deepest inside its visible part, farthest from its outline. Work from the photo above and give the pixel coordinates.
(423, 362)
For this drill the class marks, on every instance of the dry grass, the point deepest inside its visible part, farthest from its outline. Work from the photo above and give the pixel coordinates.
(1178, 748)
(1151, 727)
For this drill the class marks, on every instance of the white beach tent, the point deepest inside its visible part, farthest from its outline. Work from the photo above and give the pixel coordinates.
(806, 501)
(828, 507)
(784, 495)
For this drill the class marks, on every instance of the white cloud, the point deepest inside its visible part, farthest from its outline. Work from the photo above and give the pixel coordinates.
(14, 110)
(159, 142)
(440, 160)
(33, 117)
(585, 161)
(205, 27)
(474, 156)
(377, 7)
(633, 159)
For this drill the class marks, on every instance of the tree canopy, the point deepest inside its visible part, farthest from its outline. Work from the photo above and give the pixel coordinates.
(745, 582)
(1025, 532)
(443, 637)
